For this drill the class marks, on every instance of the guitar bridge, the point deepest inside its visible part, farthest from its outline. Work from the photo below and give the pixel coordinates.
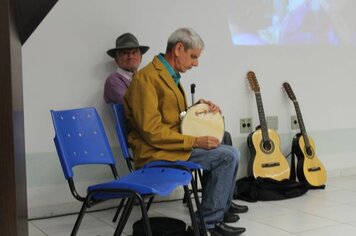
(269, 165)
(313, 169)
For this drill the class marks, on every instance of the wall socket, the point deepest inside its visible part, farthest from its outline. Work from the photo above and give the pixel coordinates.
(294, 124)
(272, 122)
(245, 125)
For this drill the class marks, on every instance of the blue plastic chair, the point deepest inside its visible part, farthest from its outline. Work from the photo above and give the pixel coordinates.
(80, 139)
(121, 126)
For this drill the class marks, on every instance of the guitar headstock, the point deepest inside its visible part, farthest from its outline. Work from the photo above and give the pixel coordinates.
(251, 77)
(289, 91)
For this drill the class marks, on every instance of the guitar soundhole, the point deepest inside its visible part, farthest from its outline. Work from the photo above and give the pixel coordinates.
(309, 151)
(267, 146)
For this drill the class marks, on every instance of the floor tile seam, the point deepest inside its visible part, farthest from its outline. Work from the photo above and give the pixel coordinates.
(286, 207)
(315, 228)
(318, 228)
(352, 190)
(320, 217)
(333, 206)
(332, 200)
(350, 224)
(37, 227)
(271, 226)
(267, 216)
(102, 221)
(324, 217)
(340, 188)
(260, 220)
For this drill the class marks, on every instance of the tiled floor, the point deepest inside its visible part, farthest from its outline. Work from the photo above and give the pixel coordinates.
(326, 212)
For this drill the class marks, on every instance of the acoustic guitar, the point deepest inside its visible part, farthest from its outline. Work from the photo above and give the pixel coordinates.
(267, 160)
(309, 167)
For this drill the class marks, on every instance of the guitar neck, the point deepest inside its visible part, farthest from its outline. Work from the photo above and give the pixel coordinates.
(261, 115)
(301, 124)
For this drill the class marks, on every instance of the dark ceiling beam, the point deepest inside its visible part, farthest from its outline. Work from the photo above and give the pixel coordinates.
(29, 14)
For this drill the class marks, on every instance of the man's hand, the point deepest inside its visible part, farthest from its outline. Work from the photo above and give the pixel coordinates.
(212, 107)
(206, 142)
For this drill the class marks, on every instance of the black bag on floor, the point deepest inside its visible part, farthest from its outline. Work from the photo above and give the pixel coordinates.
(161, 226)
(265, 189)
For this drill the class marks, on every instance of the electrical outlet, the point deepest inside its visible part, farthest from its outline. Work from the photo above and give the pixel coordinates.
(245, 125)
(272, 122)
(294, 124)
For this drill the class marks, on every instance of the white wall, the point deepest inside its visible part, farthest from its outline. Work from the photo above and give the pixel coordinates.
(65, 66)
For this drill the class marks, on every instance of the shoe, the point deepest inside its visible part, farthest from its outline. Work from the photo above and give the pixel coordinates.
(226, 230)
(190, 232)
(230, 217)
(237, 209)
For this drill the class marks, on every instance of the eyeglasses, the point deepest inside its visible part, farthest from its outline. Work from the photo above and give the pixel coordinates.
(127, 52)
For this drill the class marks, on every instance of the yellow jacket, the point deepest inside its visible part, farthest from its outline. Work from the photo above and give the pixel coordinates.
(153, 103)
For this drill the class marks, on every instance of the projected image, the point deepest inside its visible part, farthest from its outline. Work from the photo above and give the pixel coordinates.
(292, 22)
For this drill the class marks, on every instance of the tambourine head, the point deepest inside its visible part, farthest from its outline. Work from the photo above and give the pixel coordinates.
(198, 121)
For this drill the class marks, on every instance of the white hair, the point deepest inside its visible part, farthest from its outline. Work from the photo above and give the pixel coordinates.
(187, 36)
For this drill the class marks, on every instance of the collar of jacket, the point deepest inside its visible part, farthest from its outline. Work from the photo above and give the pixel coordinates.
(167, 78)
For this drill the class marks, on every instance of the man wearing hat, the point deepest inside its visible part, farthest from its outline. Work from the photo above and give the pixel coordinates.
(127, 55)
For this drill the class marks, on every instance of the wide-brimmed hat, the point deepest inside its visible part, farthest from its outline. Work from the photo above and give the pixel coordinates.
(126, 41)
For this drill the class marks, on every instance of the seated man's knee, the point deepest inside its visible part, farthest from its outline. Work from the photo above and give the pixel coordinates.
(232, 155)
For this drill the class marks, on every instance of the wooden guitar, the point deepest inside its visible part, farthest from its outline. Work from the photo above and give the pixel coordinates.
(267, 160)
(309, 167)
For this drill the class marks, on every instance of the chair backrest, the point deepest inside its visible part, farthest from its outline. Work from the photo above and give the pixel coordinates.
(80, 139)
(121, 125)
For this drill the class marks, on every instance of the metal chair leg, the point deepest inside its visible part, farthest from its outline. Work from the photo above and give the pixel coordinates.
(124, 216)
(145, 218)
(148, 205)
(127, 211)
(203, 230)
(122, 202)
(191, 211)
(79, 219)
(197, 176)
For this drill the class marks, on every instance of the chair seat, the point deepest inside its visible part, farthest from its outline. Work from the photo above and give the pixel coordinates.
(187, 164)
(145, 182)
